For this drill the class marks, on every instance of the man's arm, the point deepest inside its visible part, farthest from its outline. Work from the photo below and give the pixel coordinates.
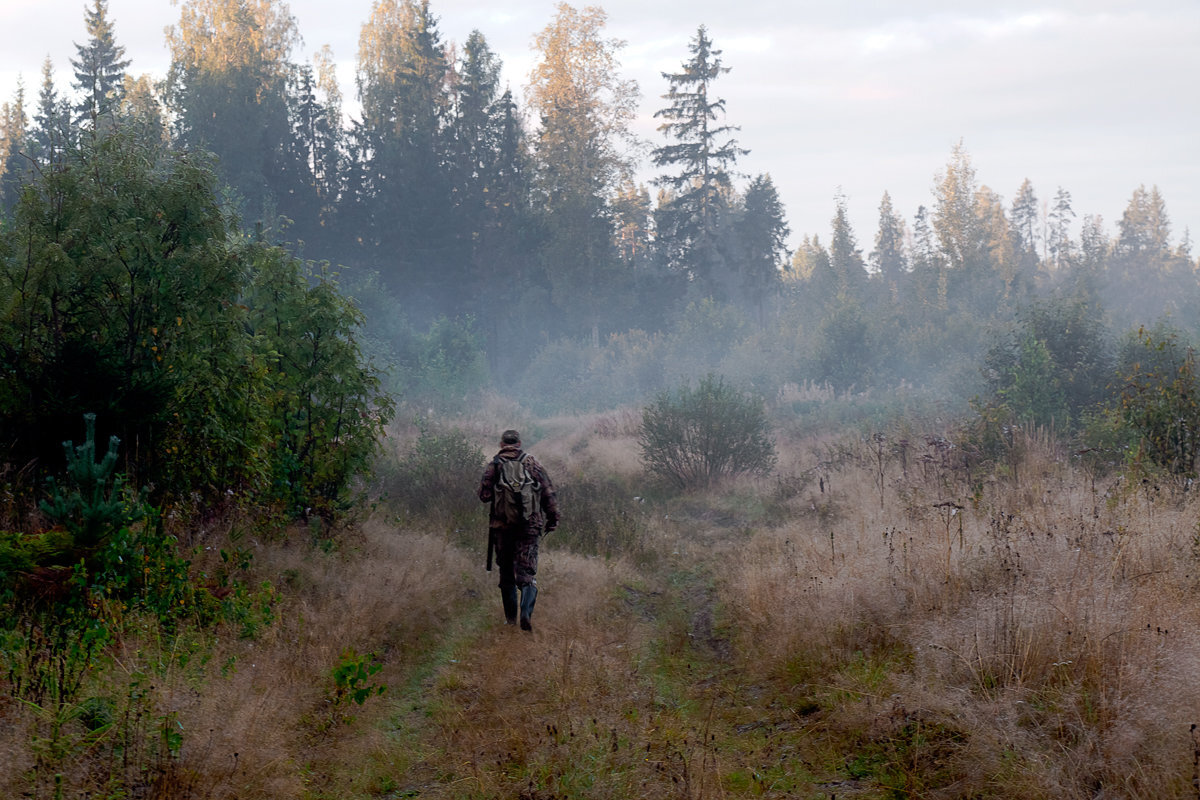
(487, 483)
(549, 498)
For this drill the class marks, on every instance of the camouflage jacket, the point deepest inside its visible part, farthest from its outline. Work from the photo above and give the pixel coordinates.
(547, 517)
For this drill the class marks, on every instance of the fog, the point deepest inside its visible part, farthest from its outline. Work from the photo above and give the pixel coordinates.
(551, 244)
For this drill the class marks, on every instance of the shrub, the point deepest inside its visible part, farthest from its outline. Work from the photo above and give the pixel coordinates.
(325, 406)
(695, 437)
(1053, 369)
(119, 302)
(227, 367)
(1161, 400)
(438, 475)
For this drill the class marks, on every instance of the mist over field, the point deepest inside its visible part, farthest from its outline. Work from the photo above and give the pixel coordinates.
(890, 512)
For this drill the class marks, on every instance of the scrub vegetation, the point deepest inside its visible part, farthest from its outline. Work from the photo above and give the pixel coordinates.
(880, 616)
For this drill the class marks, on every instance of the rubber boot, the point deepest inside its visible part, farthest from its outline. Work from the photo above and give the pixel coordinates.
(528, 596)
(509, 595)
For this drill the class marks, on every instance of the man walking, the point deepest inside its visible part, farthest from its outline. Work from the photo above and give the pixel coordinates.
(523, 506)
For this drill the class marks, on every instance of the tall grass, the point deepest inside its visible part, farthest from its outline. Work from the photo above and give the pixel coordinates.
(885, 617)
(1054, 635)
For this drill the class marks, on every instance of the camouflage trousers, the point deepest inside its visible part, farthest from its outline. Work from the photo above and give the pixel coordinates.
(517, 555)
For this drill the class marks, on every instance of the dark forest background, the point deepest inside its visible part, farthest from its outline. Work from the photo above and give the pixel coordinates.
(461, 240)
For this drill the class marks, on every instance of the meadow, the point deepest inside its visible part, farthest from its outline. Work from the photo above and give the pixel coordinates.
(880, 617)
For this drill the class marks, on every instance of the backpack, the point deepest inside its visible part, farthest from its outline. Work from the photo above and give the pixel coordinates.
(517, 494)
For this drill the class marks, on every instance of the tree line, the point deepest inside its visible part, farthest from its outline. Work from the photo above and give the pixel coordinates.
(492, 239)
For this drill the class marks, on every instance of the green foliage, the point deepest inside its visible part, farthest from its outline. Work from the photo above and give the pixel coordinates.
(89, 512)
(324, 408)
(352, 678)
(1032, 391)
(445, 366)
(227, 367)
(438, 475)
(844, 356)
(1160, 399)
(1054, 369)
(142, 569)
(703, 333)
(695, 437)
(119, 292)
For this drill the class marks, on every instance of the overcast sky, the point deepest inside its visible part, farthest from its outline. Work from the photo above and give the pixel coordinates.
(859, 96)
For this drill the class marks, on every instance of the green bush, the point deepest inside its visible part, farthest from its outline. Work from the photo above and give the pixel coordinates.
(437, 477)
(1053, 369)
(120, 301)
(696, 437)
(226, 366)
(442, 368)
(324, 408)
(1161, 400)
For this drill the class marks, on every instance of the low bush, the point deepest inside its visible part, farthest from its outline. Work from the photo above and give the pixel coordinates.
(436, 477)
(695, 437)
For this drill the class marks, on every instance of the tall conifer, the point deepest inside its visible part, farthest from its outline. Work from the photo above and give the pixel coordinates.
(703, 152)
(99, 67)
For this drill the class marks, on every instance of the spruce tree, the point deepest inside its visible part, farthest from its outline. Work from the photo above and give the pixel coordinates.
(762, 232)
(694, 210)
(888, 258)
(403, 80)
(99, 68)
(52, 132)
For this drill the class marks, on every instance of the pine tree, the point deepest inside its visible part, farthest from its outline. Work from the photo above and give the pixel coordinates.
(690, 222)
(1058, 229)
(99, 68)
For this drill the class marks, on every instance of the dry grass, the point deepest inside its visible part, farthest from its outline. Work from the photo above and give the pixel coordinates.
(1054, 635)
(875, 622)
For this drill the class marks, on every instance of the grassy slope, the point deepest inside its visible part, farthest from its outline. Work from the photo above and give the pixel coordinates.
(806, 636)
